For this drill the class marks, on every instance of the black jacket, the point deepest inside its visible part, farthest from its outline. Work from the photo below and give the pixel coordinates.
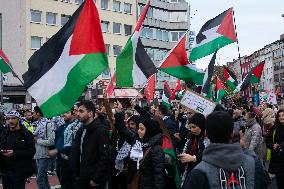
(94, 162)
(151, 172)
(23, 145)
(276, 164)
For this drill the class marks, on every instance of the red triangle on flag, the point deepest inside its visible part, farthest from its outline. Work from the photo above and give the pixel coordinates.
(149, 90)
(92, 41)
(219, 84)
(227, 27)
(177, 56)
(111, 86)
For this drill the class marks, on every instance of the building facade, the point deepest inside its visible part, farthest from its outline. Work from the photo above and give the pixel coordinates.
(27, 25)
(278, 63)
(165, 23)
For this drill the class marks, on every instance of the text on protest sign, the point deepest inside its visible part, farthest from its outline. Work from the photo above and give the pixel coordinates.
(197, 103)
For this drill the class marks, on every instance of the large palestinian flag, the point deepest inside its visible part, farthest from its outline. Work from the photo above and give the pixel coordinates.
(5, 65)
(61, 69)
(230, 78)
(214, 34)
(176, 64)
(133, 65)
(252, 77)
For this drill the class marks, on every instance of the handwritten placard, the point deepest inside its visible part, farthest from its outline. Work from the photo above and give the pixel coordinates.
(198, 103)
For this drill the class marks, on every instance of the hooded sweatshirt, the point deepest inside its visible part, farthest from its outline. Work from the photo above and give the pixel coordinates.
(221, 165)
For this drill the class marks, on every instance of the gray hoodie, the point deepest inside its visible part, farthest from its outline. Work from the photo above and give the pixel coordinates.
(220, 159)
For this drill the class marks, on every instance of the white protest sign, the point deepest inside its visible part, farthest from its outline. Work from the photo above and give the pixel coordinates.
(198, 103)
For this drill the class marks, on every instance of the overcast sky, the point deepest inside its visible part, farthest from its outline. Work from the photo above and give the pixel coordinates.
(259, 23)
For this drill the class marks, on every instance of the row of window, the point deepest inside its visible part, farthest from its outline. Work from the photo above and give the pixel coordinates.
(116, 6)
(116, 28)
(279, 65)
(164, 15)
(36, 43)
(278, 53)
(51, 18)
(161, 35)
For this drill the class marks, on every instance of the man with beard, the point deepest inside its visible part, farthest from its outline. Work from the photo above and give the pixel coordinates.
(91, 153)
(17, 150)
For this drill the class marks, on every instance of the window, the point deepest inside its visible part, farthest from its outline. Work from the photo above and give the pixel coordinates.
(107, 48)
(35, 42)
(64, 19)
(127, 8)
(104, 4)
(116, 28)
(116, 6)
(147, 32)
(116, 50)
(79, 1)
(174, 36)
(36, 16)
(150, 12)
(165, 36)
(159, 35)
(128, 29)
(51, 18)
(105, 26)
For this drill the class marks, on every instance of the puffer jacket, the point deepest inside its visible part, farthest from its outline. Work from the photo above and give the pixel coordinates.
(151, 171)
(253, 139)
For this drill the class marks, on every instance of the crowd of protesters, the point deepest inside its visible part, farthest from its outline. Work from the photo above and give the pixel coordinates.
(111, 146)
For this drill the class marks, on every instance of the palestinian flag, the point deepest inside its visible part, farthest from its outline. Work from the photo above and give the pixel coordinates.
(252, 77)
(133, 65)
(176, 89)
(230, 79)
(206, 87)
(168, 148)
(176, 64)
(221, 90)
(62, 68)
(214, 34)
(5, 65)
(167, 93)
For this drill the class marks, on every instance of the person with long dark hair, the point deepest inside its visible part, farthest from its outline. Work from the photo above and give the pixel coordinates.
(275, 142)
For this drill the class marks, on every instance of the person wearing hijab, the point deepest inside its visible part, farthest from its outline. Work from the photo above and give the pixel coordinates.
(146, 157)
(195, 143)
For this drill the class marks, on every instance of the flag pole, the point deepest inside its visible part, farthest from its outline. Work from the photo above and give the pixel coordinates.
(235, 25)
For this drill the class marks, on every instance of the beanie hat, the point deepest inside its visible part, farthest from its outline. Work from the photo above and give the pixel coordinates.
(135, 118)
(152, 128)
(13, 114)
(198, 119)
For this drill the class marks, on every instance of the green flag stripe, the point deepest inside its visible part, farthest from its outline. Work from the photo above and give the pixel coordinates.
(3, 66)
(254, 79)
(209, 48)
(231, 85)
(220, 95)
(124, 66)
(86, 70)
(184, 73)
